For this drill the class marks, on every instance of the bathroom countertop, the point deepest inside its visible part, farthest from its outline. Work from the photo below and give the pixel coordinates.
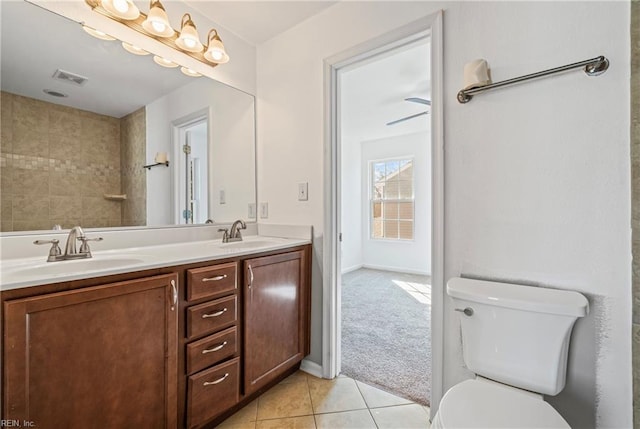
(25, 272)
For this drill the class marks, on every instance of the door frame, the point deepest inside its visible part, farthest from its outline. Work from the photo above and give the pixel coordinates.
(429, 26)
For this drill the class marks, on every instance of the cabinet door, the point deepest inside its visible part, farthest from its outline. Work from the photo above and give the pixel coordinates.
(275, 295)
(99, 357)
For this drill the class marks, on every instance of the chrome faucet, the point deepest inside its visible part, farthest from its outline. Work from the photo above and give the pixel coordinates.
(233, 234)
(70, 249)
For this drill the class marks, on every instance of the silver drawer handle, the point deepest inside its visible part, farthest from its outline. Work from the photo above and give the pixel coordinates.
(216, 314)
(467, 311)
(214, 349)
(214, 279)
(220, 380)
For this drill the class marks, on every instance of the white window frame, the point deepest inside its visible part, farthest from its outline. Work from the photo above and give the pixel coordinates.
(371, 199)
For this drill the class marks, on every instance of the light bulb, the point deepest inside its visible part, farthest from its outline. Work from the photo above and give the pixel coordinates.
(121, 5)
(216, 54)
(190, 42)
(158, 26)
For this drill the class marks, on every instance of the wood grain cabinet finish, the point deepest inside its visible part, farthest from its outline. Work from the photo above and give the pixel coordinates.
(212, 391)
(212, 282)
(276, 312)
(212, 349)
(211, 316)
(103, 356)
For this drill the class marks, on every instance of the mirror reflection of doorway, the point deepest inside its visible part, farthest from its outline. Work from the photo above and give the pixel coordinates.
(193, 173)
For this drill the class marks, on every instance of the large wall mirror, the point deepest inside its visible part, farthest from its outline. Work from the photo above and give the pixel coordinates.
(81, 117)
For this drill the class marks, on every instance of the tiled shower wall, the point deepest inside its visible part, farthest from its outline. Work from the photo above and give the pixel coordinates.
(635, 201)
(56, 165)
(133, 134)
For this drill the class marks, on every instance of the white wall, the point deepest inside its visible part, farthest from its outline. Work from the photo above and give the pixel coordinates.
(231, 149)
(351, 215)
(536, 176)
(412, 256)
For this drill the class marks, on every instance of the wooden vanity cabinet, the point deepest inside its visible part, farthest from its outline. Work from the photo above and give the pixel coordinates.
(276, 316)
(102, 356)
(211, 342)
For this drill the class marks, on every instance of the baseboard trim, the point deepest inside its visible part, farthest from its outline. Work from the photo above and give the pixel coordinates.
(311, 368)
(352, 268)
(396, 269)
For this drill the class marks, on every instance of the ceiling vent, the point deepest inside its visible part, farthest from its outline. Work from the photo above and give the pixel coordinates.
(69, 77)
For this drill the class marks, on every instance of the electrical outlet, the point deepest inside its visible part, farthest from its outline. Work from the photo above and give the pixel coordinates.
(264, 210)
(303, 191)
(252, 211)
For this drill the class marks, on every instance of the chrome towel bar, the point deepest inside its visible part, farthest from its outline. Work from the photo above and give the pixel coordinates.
(593, 67)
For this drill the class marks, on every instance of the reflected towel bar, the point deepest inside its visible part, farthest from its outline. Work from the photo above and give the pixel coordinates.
(593, 67)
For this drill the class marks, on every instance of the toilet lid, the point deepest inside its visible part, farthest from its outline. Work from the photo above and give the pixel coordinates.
(486, 404)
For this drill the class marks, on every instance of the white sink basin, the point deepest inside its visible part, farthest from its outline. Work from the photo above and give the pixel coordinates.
(74, 266)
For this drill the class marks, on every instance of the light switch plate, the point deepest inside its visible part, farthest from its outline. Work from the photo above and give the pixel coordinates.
(303, 191)
(252, 211)
(223, 198)
(264, 210)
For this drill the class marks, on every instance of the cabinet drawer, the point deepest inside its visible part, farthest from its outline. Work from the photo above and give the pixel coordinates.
(212, 391)
(211, 316)
(210, 282)
(212, 349)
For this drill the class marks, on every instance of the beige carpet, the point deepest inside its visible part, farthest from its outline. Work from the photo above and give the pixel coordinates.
(386, 335)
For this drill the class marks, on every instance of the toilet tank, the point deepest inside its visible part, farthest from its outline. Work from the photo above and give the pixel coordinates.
(515, 334)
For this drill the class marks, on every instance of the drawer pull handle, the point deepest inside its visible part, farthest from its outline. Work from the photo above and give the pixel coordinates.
(220, 380)
(174, 292)
(214, 279)
(214, 349)
(216, 314)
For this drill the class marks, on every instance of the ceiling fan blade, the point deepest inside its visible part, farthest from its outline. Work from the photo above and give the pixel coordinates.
(406, 118)
(418, 100)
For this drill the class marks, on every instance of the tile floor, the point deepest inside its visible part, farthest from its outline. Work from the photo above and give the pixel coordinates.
(303, 401)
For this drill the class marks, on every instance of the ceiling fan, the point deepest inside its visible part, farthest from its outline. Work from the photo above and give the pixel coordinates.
(413, 100)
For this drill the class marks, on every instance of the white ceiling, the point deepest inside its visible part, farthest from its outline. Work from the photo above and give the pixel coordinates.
(258, 21)
(118, 84)
(373, 94)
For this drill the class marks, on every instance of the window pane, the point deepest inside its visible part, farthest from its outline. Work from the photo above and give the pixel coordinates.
(405, 211)
(391, 229)
(405, 229)
(391, 191)
(392, 170)
(378, 171)
(391, 211)
(405, 189)
(406, 170)
(376, 229)
(376, 212)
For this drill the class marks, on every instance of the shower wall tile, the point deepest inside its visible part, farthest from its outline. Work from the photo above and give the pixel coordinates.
(51, 157)
(134, 176)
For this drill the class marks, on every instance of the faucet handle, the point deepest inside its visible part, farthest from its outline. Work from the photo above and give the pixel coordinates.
(55, 250)
(225, 235)
(84, 247)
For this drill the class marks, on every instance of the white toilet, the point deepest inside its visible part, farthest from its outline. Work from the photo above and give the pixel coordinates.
(515, 339)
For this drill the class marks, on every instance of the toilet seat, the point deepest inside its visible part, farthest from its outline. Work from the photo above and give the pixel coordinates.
(482, 403)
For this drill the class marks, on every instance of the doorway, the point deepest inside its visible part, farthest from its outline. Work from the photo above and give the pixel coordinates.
(191, 177)
(385, 213)
(429, 27)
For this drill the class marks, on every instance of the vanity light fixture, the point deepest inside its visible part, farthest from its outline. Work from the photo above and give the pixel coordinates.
(157, 22)
(123, 9)
(164, 62)
(189, 39)
(156, 25)
(190, 72)
(134, 49)
(215, 51)
(97, 33)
